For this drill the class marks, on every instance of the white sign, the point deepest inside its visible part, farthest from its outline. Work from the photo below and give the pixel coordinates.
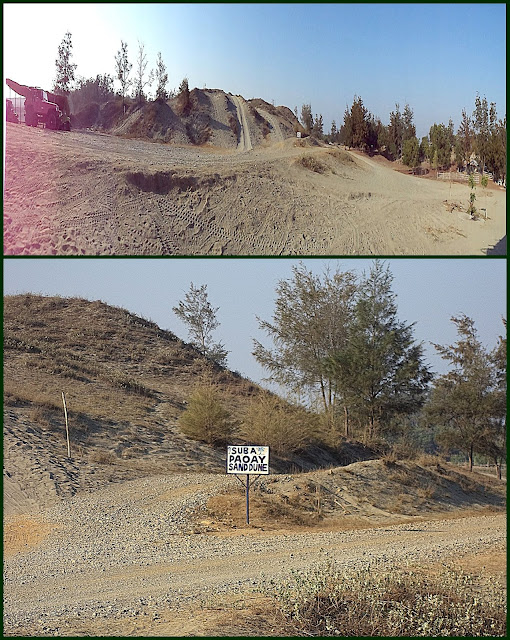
(248, 459)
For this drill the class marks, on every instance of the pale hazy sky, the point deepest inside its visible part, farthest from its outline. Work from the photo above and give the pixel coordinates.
(433, 56)
(429, 291)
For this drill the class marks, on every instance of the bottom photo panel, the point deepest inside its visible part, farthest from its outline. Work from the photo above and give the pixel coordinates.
(254, 447)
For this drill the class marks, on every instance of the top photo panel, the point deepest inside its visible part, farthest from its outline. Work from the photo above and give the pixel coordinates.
(255, 129)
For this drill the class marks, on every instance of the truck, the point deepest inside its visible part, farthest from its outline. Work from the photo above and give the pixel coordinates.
(10, 114)
(41, 106)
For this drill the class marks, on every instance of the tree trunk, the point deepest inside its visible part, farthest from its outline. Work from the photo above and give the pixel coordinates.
(471, 458)
(346, 421)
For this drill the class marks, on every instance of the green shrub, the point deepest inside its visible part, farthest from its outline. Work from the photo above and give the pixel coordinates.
(205, 418)
(375, 601)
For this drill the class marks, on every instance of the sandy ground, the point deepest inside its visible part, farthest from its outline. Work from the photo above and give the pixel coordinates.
(114, 562)
(83, 193)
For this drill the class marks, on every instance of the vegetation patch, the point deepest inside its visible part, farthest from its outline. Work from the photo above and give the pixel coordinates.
(374, 601)
(312, 164)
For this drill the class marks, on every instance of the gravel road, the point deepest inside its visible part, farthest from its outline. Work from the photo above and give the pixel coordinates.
(129, 549)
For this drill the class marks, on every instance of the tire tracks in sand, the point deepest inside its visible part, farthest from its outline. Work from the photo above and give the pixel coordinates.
(245, 143)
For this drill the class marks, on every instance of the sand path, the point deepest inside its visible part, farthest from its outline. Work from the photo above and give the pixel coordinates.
(244, 136)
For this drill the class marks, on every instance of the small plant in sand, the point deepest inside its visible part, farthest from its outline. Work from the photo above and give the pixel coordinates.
(472, 197)
(485, 182)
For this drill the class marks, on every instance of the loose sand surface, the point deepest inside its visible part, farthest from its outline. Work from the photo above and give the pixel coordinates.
(85, 193)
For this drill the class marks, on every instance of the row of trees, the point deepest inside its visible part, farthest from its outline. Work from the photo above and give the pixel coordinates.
(101, 88)
(355, 368)
(482, 134)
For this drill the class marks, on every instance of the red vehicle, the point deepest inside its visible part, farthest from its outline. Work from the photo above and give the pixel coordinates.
(10, 114)
(43, 107)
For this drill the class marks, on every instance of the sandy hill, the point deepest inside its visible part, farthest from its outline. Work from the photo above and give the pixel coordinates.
(126, 382)
(214, 118)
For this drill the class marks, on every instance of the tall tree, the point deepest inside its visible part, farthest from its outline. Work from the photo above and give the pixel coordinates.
(408, 128)
(411, 152)
(441, 138)
(481, 130)
(65, 68)
(334, 131)
(310, 322)
(307, 118)
(381, 369)
(200, 317)
(465, 402)
(141, 68)
(464, 140)
(318, 127)
(123, 68)
(395, 133)
(424, 151)
(161, 78)
(356, 125)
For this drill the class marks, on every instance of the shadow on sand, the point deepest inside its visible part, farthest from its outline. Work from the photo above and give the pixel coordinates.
(498, 249)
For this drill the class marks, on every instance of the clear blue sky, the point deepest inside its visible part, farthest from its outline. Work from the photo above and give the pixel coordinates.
(433, 56)
(429, 292)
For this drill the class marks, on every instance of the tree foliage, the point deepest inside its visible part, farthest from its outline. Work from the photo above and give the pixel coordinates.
(183, 98)
(65, 68)
(307, 118)
(200, 317)
(123, 69)
(467, 402)
(441, 145)
(355, 128)
(411, 152)
(310, 322)
(380, 372)
(92, 90)
(464, 141)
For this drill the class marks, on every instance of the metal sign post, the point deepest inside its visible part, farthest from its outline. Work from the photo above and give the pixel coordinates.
(249, 460)
(247, 499)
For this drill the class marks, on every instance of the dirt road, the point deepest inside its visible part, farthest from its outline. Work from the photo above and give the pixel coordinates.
(84, 193)
(244, 135)
(116, 559)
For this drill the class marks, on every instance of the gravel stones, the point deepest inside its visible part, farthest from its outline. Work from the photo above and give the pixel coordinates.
(128, 551)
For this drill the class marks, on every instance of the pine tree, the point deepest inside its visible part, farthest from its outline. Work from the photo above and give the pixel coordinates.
(481, 130)
(205, 418)
(381, 370)
(183, 98)
(310, 323)
(466, 402)
(200, 317)
(307, 118)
